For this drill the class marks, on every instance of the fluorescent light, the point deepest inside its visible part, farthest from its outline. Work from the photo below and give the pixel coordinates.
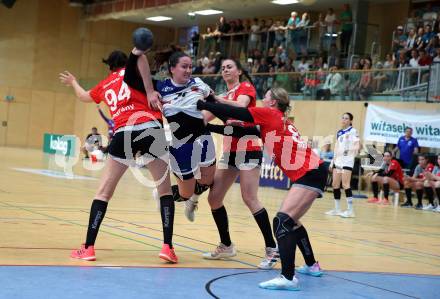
(192, 14)
(158, 18)
(285, 2)
(208, 12)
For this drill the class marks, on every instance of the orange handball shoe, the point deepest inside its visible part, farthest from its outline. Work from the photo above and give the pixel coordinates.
(87, 254)
(168, 254)
(373, 200)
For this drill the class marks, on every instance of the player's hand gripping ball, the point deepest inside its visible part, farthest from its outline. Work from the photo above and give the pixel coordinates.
(143, 39)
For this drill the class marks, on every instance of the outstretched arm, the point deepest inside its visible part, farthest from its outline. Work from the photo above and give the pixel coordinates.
(223, 110)
(234, 131)
(70, 80)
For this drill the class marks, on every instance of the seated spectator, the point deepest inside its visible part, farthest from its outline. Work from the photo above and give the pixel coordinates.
(334, 55)
(389, 176)
(281, 54)
(419, 39)
(209, 41)
(365, 85)
(434, 181)
(424, 60)
(379, 78)
(303, 66)
(437, 55)
(411, 40)
(418, 182)
(354, 79)
(270, 56)
(334, 85)
(427, 35)
(93, 142)
(390, 63)
(198, 70)
(399, 41)
(430, 16)
(432, 46)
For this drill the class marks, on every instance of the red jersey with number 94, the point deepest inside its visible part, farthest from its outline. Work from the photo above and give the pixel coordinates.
(123, 101)
(283, 142)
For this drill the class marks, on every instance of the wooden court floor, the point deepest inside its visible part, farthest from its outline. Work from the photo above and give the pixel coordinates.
(43, 217)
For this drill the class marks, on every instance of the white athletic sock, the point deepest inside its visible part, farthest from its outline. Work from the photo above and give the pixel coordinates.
(350, 203)
(337, 204)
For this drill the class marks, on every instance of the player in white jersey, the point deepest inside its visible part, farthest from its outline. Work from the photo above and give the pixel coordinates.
(192, 151)
(346, 148)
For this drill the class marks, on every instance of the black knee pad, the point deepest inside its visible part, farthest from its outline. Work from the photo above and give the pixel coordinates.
(337, 193)
(282, 225)
(348, 192)
(200, 188)
(176, 195)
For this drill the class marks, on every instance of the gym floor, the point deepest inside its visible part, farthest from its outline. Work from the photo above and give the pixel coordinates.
(386, 251)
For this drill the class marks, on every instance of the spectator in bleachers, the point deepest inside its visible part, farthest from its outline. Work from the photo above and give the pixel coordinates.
(346, 19)
(254, 36)
(261, 80)
(402, 60)
(209, 38)
(280, 32)
(354, 79)
(223, 28)
(399, 41)
(247, 29)
(437, 57)
(334, 56)
(322, 30)
(303, 66)
(198, 69)
(432, 46)
(334, 85)
(302, 33)
(326, 153)
(412, 22)
(427, 35)
(414, 61)
(365, 85)
(292, 39)
(281, 54)
(390, 63)
(195, 39)
(263, 35)
(379, 78)
(419, 39)
(424, 60)
(238, 39)
(430, 16)
(330, 21)
(407, 147)
(411, 40)
(270, 56)
(270, 33)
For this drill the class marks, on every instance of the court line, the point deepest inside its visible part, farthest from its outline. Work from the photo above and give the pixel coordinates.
(209, 283)
(132, 232)
(182, 236)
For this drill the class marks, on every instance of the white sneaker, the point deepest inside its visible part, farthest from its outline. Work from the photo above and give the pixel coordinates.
(333, 212)
(270, 259)
(156, 198)
(429, 207)
(437, 209)
(314, 270)
(280, 283)
(222, 251)
(191, 207)
(347, 214)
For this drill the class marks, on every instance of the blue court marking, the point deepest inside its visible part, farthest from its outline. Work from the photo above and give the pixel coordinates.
(120, 282)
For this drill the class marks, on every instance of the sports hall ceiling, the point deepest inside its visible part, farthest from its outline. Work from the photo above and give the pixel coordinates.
(233, 9)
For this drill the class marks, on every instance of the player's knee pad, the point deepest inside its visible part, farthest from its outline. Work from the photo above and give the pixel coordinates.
(200, 188)
(282, 225)
(337, 193)
(348, 192)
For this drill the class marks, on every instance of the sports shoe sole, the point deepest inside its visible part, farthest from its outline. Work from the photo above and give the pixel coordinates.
(279, 289)
(167, 258)
(220, 257)
(89, 259)
(314, 274)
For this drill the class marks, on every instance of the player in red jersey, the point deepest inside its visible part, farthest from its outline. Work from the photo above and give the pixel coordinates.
(390, 176)
(417, 183)
(434, 181)
(304, 168)
(137, 129)
(241, 157)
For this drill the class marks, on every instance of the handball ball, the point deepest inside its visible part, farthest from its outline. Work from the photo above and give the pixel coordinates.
(143, 39)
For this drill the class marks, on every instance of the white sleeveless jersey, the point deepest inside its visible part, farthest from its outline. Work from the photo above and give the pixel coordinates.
(346, 142)
(182, 98)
